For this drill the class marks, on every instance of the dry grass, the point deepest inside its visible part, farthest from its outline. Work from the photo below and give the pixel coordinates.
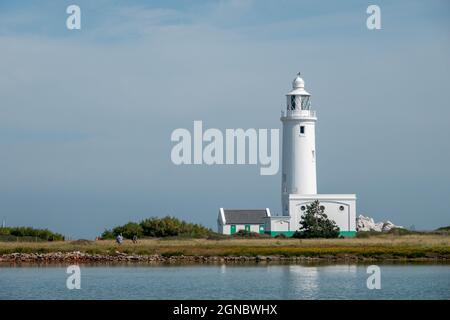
(411, 246)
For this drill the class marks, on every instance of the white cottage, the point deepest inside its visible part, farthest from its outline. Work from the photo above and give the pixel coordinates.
(231, 221)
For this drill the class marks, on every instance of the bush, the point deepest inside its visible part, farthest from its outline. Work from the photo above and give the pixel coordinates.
(42, 234)
(315, 224)
(248, 234)
(128, 230)
(107, 234)
(171, 226)
(443, 229)
(159, 227)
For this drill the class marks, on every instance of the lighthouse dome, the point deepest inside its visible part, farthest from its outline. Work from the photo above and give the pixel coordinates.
(298, 82)
(298, 87)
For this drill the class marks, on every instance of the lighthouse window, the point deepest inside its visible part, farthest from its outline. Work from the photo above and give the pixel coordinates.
(302, 129)
(305, 103)
(292, 102)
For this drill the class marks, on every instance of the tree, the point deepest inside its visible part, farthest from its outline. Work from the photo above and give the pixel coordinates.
(127, 231)
(315, 223)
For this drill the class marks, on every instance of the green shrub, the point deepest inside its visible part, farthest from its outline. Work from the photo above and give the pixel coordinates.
(107, 234)
(21, 232)
(159, 227)
(171, 226)
(315, 223)
(249, 234)
(128, 230)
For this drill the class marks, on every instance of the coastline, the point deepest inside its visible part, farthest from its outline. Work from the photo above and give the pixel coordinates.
(430, 248)
(86, 258)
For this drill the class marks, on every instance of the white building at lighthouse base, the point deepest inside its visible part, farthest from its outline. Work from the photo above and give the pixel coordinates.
(341, 208)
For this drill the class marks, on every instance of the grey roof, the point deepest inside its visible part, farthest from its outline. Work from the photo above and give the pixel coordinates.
(244, 216)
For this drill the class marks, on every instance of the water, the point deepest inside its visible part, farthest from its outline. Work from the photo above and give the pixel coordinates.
(226, 282)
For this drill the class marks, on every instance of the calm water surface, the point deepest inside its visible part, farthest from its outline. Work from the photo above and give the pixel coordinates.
(226, 282)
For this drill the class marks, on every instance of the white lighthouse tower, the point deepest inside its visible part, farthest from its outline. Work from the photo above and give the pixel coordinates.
(299, 145)
(298, 182)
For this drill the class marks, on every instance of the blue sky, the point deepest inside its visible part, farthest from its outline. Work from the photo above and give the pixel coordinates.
(86, 116)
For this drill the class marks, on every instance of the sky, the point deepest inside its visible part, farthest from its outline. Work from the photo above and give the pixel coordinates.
(86, 115)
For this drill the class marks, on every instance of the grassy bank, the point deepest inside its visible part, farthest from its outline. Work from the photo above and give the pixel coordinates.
(385, 246)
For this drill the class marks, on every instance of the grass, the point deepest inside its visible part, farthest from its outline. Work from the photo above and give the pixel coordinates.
(407, 246)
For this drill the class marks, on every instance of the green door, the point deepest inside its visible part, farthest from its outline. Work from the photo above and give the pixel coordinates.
(261, 228)
(247, 227)
(233, 229)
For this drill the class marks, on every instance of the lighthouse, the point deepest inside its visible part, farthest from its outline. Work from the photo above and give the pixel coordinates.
(299, 145)
(298, 181)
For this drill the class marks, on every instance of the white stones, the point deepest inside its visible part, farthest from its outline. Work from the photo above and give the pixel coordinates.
(364, 223)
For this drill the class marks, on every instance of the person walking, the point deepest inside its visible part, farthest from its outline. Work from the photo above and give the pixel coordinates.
(119, 239)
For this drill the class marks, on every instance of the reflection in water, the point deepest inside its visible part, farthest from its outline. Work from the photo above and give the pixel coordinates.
(341, 268)
(307, 282)
(303, 281)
